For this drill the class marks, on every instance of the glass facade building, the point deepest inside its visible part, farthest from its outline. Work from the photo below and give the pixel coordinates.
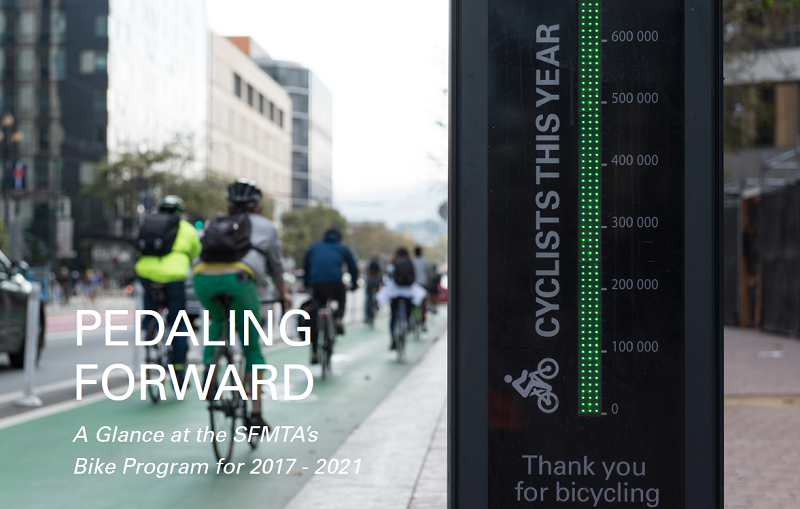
(312, 122)
(87, 79)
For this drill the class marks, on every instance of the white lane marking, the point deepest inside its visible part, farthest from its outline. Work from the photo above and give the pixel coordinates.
(13, 420)
(59, 336)
(44, 389)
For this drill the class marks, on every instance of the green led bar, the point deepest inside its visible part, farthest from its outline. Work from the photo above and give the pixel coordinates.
(589, 214)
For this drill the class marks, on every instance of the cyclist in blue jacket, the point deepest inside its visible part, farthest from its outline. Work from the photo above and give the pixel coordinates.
(323, 276)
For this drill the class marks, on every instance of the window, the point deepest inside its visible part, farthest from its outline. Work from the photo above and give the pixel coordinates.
(27, 24)
(44, 139)
(237, 85)
(299, 103)
(300, 162)
(300, 132)
(99, 135)
(91, 62)
(101, 25)
(86, 172)
(58, 63)
(99, 101)
(101, 63)
(280, 119)
(249, 95)
(272, 111)
(300, 188)
(86, 64)
(44, 101)
(40, 173)
(26, 57)
(261, 104)
(58, 26)
(26, 97)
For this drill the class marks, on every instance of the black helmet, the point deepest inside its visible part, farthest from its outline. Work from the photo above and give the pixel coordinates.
(172, 205)
(244, 192)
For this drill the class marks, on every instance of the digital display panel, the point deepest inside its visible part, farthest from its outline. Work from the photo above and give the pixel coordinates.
(586, 272)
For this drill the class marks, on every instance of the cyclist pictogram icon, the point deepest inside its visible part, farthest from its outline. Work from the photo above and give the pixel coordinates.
(547, 369)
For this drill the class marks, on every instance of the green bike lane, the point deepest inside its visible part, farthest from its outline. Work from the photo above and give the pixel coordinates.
(39, 457)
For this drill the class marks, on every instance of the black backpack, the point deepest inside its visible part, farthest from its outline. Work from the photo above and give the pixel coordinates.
(157, 234)
(226, 238)
(403, 273)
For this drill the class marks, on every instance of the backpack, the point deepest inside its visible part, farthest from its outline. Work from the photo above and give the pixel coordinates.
(226, 238)
(403, 273)
(157, 234)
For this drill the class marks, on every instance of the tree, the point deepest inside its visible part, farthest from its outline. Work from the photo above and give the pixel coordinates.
(749, 27)
(125, 181)
(374, 239)
(3, 238)
(304, 226)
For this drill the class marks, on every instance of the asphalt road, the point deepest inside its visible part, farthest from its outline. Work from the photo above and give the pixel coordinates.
(40, 455)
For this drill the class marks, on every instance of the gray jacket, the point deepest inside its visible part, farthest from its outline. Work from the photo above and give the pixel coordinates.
(265, 257)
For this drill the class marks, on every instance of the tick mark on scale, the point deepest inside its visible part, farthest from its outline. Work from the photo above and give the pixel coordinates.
(603, 40)
(603, 413)
(603, 289)
(604, 102)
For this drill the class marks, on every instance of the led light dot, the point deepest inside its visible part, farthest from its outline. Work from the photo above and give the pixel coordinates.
(589, 213)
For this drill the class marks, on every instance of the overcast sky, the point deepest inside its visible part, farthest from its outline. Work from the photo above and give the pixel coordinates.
(386, 65)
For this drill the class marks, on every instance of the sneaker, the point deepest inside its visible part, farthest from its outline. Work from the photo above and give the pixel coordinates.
(314, 357)
(339, 325)
(393, 345)
(256, 422)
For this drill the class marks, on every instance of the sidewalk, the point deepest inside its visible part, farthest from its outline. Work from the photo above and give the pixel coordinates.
(761, 433)
(762, 420)
(403, 445)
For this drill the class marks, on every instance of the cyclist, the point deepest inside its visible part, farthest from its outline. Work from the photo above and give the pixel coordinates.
(374, 280)
(402, 287)
(421, 269)
(168, 265)
(323, 276)
(224, 269)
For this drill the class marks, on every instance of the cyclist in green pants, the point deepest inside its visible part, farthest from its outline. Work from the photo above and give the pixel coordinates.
(239, 250)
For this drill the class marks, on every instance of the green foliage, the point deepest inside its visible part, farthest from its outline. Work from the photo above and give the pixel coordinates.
(125, 180)
(374, 239)
(749, 26)
(302, 227)
(3, 238)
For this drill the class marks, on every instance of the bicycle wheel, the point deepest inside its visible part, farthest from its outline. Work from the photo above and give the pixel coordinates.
(153, 354)
(326, 349)
(226, 411)
(401, 329)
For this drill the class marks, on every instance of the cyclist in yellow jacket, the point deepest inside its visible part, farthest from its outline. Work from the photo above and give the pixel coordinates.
(171, 270)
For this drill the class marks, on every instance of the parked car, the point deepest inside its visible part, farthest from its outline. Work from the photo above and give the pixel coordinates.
(14, 291)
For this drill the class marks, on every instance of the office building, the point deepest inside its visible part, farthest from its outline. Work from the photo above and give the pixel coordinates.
(312, 123)
(90, 78)
(250, 129)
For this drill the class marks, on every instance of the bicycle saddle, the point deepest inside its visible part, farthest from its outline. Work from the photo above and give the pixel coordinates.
(223, 299)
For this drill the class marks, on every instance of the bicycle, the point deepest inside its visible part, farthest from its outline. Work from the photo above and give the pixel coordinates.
(400, 329)
(327, 328)
(372, 307)
(158, 353)
(230, 411)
